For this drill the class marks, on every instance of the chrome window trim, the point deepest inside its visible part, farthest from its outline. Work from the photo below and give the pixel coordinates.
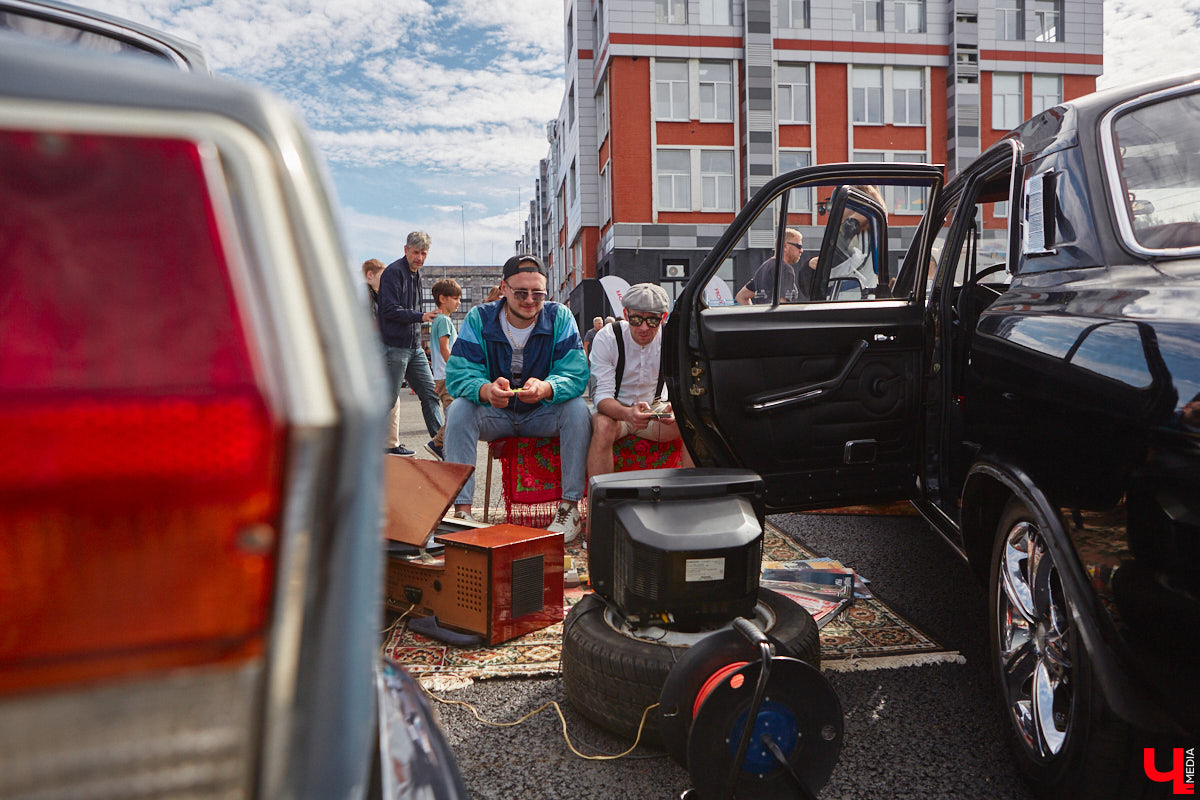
(1112, 172)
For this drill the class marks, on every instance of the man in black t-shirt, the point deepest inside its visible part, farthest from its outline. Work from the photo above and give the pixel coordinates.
(760, 289)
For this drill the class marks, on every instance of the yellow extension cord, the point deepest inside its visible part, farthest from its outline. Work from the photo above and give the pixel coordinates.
(557, 708)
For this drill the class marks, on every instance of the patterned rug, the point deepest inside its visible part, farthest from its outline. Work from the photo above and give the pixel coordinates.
(868, 635)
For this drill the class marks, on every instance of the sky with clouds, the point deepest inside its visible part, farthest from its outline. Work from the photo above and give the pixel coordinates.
(431, 114)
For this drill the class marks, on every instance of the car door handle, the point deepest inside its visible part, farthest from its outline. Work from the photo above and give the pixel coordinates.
(771, 401)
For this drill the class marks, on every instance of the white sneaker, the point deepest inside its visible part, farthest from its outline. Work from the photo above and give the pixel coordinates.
(464, 515)
(566, 521)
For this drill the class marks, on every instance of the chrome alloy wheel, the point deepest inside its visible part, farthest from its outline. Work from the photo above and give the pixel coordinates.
(1033, 627)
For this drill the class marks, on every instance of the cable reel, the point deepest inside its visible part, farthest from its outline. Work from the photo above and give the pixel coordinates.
(749, 724)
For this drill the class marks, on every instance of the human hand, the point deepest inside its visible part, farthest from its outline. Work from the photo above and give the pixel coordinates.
(428, 316)
(496, 393)
(638, 415)
(534, 390)
(664, 414)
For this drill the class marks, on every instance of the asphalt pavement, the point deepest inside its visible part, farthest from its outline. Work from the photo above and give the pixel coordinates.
(915, 732)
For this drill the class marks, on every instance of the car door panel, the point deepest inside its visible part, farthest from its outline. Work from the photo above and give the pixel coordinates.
(809, 389)
(820, 398)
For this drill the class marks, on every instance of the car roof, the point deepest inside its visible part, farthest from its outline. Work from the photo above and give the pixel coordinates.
(1064, 124)
(184, 55)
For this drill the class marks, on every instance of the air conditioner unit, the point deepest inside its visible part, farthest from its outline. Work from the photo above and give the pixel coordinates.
(676, 270)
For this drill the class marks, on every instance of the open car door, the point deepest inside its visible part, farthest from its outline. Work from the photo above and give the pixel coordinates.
(819, 390)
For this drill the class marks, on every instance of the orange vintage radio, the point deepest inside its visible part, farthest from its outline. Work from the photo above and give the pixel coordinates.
(498, 581)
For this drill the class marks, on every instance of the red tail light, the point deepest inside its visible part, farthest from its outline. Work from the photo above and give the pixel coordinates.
(140, 451)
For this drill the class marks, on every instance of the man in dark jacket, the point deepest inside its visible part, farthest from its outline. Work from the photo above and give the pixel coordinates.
(400, 319)
(372, 272)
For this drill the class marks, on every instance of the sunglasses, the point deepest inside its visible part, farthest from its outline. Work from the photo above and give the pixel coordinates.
(525, 294)
(637, 320)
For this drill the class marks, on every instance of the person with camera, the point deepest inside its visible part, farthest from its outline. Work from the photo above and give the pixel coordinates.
(630, 397)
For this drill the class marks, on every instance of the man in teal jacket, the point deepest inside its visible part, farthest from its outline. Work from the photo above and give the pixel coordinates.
(518, 369)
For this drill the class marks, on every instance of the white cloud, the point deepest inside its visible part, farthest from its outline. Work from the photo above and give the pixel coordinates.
(1149, 40)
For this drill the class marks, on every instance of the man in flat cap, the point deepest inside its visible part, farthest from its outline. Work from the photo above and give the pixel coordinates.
(630, 392)
(518, 369)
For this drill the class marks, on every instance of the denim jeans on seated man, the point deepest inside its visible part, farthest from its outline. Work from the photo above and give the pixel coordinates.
(469, 423)
(412, 363)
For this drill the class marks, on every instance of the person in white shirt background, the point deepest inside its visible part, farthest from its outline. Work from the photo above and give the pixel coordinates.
(633, 401)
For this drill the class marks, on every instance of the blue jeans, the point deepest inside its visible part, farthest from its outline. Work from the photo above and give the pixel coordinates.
(468, 423)
(411, 362)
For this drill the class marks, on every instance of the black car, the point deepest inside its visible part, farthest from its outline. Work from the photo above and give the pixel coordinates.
(1028, 375)
(191, 579)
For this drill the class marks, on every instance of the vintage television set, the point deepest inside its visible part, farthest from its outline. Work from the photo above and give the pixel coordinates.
(681, 546)
(495, 581)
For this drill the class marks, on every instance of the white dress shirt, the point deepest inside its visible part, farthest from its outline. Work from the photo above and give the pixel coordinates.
(641, 366)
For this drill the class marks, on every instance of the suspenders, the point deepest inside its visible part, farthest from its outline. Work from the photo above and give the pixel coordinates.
(662, 381)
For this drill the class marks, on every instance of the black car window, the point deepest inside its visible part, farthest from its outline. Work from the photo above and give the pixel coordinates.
(1154, 166)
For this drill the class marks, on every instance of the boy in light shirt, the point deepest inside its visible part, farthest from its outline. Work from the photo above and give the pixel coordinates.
(448, 295)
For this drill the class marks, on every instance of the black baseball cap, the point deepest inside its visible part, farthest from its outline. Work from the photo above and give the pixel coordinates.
(525, 263)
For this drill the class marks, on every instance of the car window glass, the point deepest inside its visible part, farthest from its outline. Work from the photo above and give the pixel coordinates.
(986, 243)
(863, 248)
(1157, 157)
(940, 242)
(737, 281)
(858, 250)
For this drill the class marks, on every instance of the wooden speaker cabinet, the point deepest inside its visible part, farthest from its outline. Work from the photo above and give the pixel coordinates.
(500, 582)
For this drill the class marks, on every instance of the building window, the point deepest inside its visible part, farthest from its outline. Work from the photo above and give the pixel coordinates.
(1007, 105)
(716, 180)
(1047, 92)
(793, 13)
(907, 199)
(868, 15)
(716, 91)
(908, 96)
(605, 196)
(910, 16)
(1047, 16)
(672, 12)
(799, 200)
(671, 90)
(899, 199)
(792, 89)
(602, 110)
(571, 107)
(674, 180)
(716, 12)
(571, 190)
(868, 95)
(1010, 19)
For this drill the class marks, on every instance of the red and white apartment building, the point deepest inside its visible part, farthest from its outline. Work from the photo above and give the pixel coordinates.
(676, 111)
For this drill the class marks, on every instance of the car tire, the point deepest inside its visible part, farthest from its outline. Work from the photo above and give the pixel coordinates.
(1069, 744)
(610, 676)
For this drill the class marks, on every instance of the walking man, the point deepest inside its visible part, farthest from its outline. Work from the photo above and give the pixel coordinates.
(400, 319)
(518, 369)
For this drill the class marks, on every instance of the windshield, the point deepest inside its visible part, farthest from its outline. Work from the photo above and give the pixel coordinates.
(1156, 155)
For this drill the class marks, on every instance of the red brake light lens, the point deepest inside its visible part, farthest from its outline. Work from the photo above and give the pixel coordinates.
(140, 453)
